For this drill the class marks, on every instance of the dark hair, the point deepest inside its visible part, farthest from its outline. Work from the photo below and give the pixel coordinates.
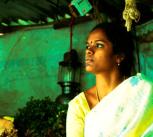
(122, 42)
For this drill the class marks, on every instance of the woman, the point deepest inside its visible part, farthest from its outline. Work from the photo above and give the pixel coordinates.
(119, 105)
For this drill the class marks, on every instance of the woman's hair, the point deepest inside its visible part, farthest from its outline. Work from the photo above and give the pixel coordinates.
(122, 42)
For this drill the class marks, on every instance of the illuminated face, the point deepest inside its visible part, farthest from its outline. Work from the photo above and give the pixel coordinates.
(99, 53)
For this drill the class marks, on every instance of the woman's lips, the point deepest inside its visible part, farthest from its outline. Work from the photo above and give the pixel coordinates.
(88, 61)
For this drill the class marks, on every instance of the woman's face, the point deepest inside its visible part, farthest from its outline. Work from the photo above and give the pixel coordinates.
(99, 53)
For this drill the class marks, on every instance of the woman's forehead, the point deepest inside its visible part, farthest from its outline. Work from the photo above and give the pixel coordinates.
(97, 34)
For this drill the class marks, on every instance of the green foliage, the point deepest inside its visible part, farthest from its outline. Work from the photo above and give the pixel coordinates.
(41, 118)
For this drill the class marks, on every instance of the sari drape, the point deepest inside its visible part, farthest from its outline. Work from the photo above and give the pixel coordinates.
(125, 112)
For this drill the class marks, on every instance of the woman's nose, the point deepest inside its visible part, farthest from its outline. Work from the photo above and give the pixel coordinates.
(89, 51)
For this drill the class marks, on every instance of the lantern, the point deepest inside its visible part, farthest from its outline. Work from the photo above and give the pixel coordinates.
(69, 76)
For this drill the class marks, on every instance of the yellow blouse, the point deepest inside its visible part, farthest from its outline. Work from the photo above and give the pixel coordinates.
(78, 109)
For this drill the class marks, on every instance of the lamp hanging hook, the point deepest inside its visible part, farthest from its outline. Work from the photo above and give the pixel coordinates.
(71, 31)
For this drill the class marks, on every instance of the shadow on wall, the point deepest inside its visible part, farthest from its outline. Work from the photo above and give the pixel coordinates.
(7, 101)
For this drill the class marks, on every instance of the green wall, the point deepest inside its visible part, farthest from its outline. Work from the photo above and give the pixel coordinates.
(29, 64)
(145, 47)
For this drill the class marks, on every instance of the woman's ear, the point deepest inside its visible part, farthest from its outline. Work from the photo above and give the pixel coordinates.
(119, 58)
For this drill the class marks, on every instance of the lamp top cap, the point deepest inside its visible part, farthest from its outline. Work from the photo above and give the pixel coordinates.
(71, 58)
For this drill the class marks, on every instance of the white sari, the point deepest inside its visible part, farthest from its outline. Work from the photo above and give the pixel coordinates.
(125, 112)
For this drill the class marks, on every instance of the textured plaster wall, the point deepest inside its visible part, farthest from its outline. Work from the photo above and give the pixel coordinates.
(146, 58)
(145, 48)
(29, 64)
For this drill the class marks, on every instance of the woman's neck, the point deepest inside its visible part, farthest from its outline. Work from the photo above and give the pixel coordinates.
(106, 82)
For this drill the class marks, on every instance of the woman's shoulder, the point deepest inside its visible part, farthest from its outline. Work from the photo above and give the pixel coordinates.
(79, 102)
(139, 81)
(82, 96)
(78, 98)
(140, 77)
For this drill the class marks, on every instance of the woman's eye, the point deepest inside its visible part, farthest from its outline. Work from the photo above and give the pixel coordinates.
(99, 45)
